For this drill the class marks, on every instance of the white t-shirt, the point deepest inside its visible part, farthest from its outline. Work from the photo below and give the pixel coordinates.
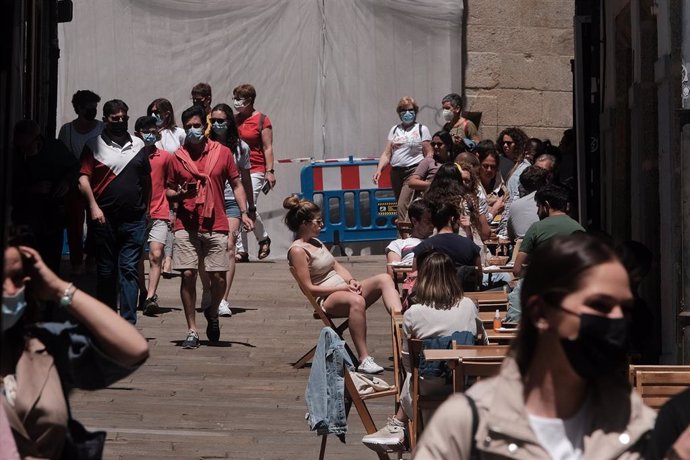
(171, 139)
(406, 144)
(562, 438)
(404, 247)
(74, 140)
(241, 156)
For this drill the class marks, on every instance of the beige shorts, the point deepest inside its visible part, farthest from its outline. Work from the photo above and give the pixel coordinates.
(158, 231)
(212, 248)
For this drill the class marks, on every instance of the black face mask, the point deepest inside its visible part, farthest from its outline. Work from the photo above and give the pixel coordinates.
(600, 347)
(89, 114)
(117, 128)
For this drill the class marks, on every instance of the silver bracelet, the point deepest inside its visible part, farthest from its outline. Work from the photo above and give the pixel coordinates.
(66, 299)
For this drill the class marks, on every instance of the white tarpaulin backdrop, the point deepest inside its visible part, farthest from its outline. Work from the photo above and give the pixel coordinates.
(328, 73)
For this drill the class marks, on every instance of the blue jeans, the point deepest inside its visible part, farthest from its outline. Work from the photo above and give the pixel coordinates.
(118, 247)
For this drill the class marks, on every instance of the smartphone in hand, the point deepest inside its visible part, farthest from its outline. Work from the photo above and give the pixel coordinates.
(266, 188)
(192, 188)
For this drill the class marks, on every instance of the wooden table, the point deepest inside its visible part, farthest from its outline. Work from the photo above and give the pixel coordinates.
(501, 337)
(478, 353)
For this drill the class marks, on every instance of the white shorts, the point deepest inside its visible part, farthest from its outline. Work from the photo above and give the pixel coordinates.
(158, 231)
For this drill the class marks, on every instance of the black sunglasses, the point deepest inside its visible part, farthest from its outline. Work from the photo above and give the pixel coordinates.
(437, 144)
(218, 120)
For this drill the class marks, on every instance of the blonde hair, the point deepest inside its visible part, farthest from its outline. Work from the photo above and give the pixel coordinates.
(407, 100)
(299, 211)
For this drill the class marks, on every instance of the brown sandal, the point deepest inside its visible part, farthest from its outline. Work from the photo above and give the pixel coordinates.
(264, 248)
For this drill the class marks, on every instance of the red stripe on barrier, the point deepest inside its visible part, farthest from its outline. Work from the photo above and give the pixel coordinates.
(385, 179)
(349, 177)
(318, 179)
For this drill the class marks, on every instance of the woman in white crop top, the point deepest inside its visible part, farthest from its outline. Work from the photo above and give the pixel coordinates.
(338, 292)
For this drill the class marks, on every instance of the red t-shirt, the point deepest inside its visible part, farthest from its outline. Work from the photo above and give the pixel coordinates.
(189, 216)
(249, 133)
(159, 208)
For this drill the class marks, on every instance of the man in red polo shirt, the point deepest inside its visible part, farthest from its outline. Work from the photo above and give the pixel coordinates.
(196, 178)
(159, 212)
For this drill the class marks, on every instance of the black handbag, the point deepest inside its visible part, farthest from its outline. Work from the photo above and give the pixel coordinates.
(81, 444)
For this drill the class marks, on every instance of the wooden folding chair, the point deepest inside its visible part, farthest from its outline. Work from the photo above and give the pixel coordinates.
(487, 363)
(327, 321)
(657, 384)
(419, 402)
(490, 300)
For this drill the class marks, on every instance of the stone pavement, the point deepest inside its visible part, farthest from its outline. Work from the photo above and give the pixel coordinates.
(240, 399)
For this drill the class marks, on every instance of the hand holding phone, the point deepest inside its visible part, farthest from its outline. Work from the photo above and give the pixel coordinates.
(266, 188)
(191, 189)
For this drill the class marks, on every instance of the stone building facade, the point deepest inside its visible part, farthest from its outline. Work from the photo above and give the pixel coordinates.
(518, 70)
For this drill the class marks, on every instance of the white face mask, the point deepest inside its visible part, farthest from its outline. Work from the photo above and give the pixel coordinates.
(448, 115)
(239, 103)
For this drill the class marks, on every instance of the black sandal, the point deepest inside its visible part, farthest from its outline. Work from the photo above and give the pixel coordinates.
(264, 248)
(241, 257)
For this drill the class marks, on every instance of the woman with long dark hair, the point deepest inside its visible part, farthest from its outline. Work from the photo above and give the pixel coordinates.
(562, 391)
(171, 135)
(224, 130)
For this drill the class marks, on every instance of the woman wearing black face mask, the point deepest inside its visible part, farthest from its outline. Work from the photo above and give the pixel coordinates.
(562, 391)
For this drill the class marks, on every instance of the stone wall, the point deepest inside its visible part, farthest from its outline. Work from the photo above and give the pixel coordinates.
(518, 65)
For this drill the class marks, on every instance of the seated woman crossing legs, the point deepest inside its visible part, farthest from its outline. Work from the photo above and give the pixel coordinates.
(337, 291)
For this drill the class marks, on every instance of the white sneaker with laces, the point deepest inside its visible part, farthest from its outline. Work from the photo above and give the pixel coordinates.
(368, 366)
(224, 308)
(390, 438)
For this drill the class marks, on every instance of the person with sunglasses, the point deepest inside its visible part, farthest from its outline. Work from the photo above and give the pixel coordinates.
(171, 135)
(442, 143)
(224, 130)
(408, 143)
(338, 293)
(170, 138)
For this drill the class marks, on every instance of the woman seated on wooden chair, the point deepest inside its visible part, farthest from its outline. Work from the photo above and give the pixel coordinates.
(440, 309)
(336, 290)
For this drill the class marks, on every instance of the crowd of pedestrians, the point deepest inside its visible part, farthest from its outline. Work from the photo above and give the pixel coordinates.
(188, 193)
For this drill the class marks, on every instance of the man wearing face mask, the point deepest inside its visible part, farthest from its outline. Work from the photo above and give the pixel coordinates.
(42, 173)
(159, 214)
(196, 178)
(115, 180)
(202, 97)
(458, 126)
(74, 135)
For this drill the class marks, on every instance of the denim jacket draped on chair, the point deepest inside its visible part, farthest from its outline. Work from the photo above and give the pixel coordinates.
(325, 393)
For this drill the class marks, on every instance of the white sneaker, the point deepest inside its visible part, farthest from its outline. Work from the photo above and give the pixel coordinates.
(390, 438)
(368, 366)
(205, 300)
(224, 308)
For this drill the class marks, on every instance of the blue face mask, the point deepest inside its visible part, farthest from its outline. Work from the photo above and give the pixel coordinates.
(149, 138)
(13, 308)
(220, 128)
(407, 116)
(159, 120)
(195, 135)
